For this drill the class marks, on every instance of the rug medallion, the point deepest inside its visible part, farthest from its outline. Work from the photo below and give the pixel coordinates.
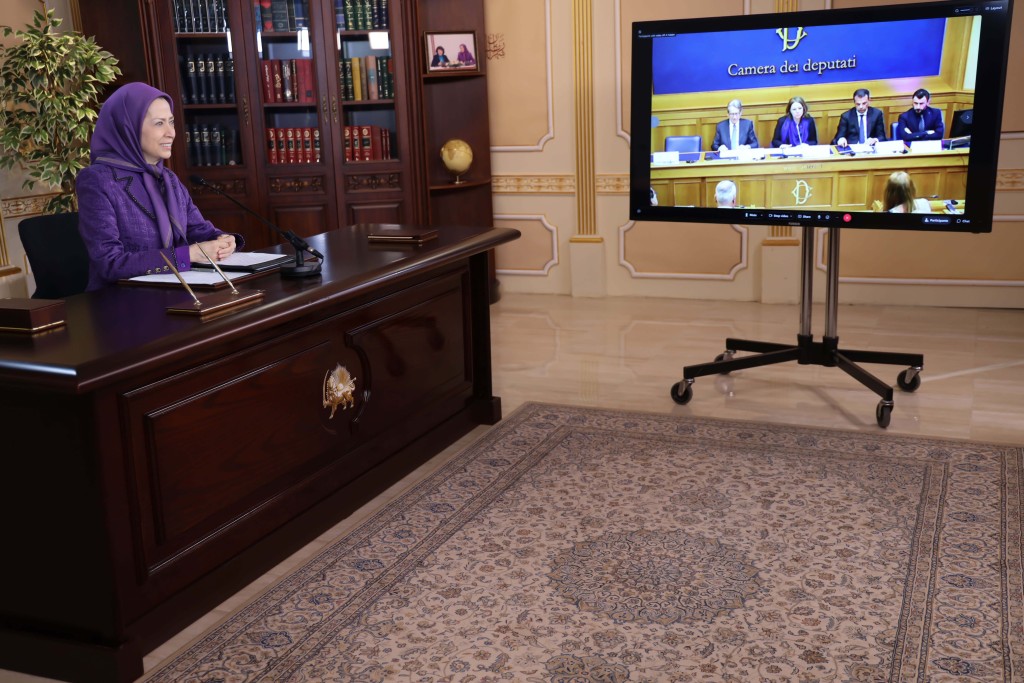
(583, 545)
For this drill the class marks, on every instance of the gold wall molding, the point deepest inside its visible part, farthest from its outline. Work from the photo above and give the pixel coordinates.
(534, 184)
(20, 207)
(583, 67)
(613, 183)
(1010, 180)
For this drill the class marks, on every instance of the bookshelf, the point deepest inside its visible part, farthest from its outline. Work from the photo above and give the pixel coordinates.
(224, 131)
(454, 105)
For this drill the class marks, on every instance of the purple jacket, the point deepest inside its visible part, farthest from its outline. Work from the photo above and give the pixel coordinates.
(119, 228)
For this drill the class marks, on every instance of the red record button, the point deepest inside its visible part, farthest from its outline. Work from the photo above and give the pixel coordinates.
(847, 218)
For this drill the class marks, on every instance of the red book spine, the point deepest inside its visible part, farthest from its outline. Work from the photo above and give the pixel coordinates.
(307, 145)
(272, 145)
(293, 150)
(275, 66)
(282, 148)
(367, 143)
(357, 144)
(378, 143)
(268, 80)
(348, 143)
(306, 91)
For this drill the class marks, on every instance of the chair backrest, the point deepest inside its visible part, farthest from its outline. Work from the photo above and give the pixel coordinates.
(682, 143)
(57, 254)
(895, 131)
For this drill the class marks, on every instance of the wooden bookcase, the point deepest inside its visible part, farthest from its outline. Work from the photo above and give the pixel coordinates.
(454, 105)
(420, 110)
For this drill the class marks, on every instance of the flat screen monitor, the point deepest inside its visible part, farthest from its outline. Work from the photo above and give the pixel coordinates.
(796, 84)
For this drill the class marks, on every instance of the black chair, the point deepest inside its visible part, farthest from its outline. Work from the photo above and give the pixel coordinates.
(682, 143)
(56, 253)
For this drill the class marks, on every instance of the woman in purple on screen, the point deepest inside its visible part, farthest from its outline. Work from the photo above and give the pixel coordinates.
(131, 208)
(796, 127)
(465, 57)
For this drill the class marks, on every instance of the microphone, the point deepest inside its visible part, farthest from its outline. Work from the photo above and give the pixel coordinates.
(300, 269)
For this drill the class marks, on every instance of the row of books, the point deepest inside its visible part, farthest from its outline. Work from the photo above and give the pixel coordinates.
(288, 80)
(209, 79)
(361, 15)
(281, 15)
(367, 143)
(366, 78)
(200, 16)
(212, 145)
(293, 145)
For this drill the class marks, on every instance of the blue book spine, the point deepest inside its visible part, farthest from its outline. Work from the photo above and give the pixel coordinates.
(301, 17)
(339, 14)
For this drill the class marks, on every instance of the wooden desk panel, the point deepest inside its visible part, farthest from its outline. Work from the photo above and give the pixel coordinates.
(161, 462)
(837, 182)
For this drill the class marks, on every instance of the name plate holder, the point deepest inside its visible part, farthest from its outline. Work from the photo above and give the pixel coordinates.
(216, 304)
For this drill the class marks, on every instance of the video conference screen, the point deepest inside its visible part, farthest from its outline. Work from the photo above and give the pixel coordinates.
(881, 117)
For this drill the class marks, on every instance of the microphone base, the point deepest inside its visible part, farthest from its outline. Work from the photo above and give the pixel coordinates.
(310, 270)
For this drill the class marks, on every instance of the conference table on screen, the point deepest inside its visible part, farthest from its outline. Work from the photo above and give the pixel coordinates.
(838, 181)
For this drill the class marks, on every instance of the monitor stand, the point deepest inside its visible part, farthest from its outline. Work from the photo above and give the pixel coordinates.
(807, 351)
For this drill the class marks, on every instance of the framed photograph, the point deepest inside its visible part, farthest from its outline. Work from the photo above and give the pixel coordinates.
(451, 52)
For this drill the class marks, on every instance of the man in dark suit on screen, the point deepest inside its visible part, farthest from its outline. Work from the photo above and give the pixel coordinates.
(922, 122)
(734, 132)
(861, 125)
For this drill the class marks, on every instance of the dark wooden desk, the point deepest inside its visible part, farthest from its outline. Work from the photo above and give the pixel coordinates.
(153, 464)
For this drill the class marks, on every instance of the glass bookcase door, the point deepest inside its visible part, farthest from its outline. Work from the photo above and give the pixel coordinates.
(365, 80)
(206, 62)
(287, 74)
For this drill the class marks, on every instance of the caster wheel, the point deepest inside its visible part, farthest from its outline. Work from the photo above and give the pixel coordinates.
(883, 413)
(908, 385)
(682, 398)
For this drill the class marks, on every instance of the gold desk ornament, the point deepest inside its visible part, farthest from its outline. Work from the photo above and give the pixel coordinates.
(339, 387)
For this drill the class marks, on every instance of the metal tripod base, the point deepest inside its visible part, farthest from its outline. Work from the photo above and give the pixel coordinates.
(807, 351)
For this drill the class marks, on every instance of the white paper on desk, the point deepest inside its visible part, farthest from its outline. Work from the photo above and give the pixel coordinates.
(192, 277)
(858, 148)
(926, 146)
(246, 259)
(663, 158)
(890, 147)
(817, 151)
(742, 154)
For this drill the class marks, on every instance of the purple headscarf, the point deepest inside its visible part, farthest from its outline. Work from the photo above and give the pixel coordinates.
(115, 142)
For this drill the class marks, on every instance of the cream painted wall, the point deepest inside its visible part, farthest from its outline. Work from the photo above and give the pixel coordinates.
(536, 192)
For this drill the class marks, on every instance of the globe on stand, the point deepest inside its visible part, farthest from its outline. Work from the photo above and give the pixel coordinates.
(457, 156)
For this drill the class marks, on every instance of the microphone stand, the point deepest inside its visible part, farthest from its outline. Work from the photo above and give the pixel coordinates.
(300, 269)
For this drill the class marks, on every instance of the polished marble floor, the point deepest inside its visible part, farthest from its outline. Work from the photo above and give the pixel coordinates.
(627, 353)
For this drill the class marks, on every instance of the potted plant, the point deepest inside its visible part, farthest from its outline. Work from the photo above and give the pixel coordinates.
(50, 84)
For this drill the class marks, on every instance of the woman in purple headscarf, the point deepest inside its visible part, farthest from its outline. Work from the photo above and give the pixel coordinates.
(796, 127)
(130, 207)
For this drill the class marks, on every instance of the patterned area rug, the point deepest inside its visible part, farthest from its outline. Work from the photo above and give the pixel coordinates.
(584, 545)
